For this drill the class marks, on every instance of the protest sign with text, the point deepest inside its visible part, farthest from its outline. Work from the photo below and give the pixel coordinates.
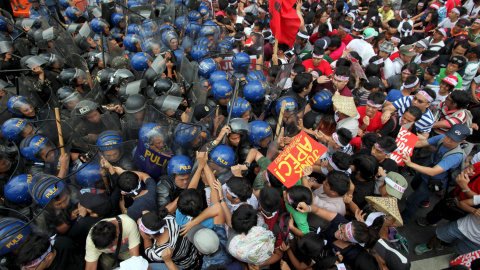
(406, 141)
(302, 152)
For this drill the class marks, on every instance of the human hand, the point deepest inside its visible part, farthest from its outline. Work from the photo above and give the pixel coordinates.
(386, 116)
(104, 163)
(284, 247)
(167, 254)
(226, 130)
(169, 65)
(476, 213)
(470, 170)
(360, 216)
(202, 158)
(300, 124)
(381, 171)
(366, 120)
(463, 179)
(324, 163)
(323, 79)
(218, 186)
(299, 5)
(238, 169)
(185, 228)
(27, 28)
(307, 170)
(360, 133)
(406, 159)
(82, 210)
(319, 135)
(74, 214)
(218, 120)
(303, 207)
(347, 198)
(474, 126)
(37, 70)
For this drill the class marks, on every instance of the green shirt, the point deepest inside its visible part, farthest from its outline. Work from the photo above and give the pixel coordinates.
(422, 72)
(299, 217)
(442, 75)
(474, 38)
(263, 163)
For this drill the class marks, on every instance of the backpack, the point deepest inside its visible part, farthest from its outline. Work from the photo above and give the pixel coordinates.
(255, 247)
(281, 229)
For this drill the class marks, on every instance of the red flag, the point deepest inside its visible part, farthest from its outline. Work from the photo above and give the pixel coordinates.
(284, 21)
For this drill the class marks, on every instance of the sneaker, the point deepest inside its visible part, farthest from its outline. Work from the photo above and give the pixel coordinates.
(423, 222)
(420, 249)
(438, 247)
(425, 205)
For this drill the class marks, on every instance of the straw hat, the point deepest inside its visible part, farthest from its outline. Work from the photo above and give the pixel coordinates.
(345, 105)
(388, 206)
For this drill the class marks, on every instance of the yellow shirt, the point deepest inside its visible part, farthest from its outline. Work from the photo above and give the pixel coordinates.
(386, 16)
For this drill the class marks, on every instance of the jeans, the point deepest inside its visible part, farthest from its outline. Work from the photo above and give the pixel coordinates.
(450, 232)
(160, 266)
(421, 194)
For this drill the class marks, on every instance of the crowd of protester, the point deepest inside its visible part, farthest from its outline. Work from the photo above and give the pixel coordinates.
(170, 113)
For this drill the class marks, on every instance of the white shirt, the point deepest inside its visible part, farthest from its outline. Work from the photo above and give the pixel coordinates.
(363, 48)
(447, 23)
(388, 70)
(232, 207)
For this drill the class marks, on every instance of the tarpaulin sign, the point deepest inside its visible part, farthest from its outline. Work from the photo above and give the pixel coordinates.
(466, 259)
(227, 65)
(406, 141)
(356, 68)
(302, 152)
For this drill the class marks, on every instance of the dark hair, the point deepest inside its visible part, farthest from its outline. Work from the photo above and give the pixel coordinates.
(128, 181)
(239, 28)
(428, 54)
(411, 79)
(463, 44)
(230, 11)
(339, 182)
(312, 244)
(298, 68)
(216, 267)
(357, 56)
(299, 194)
(387, 143)
(155, 220)
(342, 160)
(342, 71)
(241, 187)
(103, 234)
(462, 10)
(372, 69)
(369, 139)
(335, 41)
(364, 234)
(260, 25)
(373, 59)
(301, 81)
(462, 98)
(377, 97)
(411, 67)
(433, 70)
(346, 24)
(344, 135)
(367, 166)
(434, 20)
(415, 111)
(244, 218)
(190, 202)
(269, 199)
(377, 39)
(34, 247)
(283, 47)
(343, 62)
(323, 29)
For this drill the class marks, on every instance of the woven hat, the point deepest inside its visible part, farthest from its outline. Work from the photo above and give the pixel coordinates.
(345, 105)
(387, 205)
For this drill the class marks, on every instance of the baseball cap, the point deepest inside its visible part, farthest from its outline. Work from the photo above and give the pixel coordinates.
(462, 23)
(369, 33)
(462, 37)
(393, 258)
(386, 46)
(322, 43)
(452, 80)
(407, 50)
(201, 111)
(435, 6)
(99, 203)
(443, 31)
(395, 184)
(458, 132)
(388, 3)
(205, 240)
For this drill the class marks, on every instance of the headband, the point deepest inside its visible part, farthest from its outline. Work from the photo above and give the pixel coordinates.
(317, 55)
(396, 39)
(341, 78)
(406, 71)
(373, 104)
(232, 4)
(349, 232)
(334, 166)
(329, 6)
(41, 258)
(304, 8)
(394, 185)
(378, 62)
(351, 15)
(477, 20)
(344, 29)
(357, 29)
(261, 10)
(300, 34)
(247, 23)
(290, 201)
(371, 218)
(421, 4)
(314, 73)
(136, 191)
(429, 60)
(341, 266)
(293, 72)
(240, 39)
(265, 211)
(382, 149)
(456, 10)
(412, 84)
(422, 43)
(229, 191)
(148, 231)
(426, 95)
(335, 138)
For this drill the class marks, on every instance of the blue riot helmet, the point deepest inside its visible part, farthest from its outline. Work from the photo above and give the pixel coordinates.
(260, 134)
(203, 41)
(117, 18)
(179, 164)
(110, 144)
(207, 67)
(187, 43)
(47, 187)
(290, 105)
(140, 61)
(13, 233)
(225, 46)
(322, 101)
(20, 106)
(241, 61)
(255, 75)
(65, 3)
(222, 89)
(17, 189)
(99, 26)
(38, 148)
(179, 56)
(170, 38)
(222, 157)
(218, 75)
(199, 51)
(194, 15)
(133, 29)
(203, 10)
(3, 24)
(72, 13)
(88, 174)
(165, 28)
(181, 23)
(254, 91)
(207, 30)
(240, 106)
(16, 129)
(132, 3)
(130, 42)
(154, 137)
(151, 46)
(193, 28)
(187, 135)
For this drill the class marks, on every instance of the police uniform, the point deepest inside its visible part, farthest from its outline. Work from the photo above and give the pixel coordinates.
(42, 11)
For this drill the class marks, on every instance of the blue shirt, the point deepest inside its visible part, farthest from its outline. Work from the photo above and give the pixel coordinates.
(394, 95)
(222, 257)
(425, 124)
(182, 219)
(449, 162)
(145, 202)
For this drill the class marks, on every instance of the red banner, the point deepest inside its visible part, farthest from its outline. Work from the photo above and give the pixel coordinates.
(466, 259)
(284, 21)
(302, 152)
(406, 141)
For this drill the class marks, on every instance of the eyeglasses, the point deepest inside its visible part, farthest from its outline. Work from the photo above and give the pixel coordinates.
(342, 232)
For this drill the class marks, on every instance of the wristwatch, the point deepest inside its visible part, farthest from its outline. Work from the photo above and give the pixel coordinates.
(465, 190)
(247, 164)
(223, 200)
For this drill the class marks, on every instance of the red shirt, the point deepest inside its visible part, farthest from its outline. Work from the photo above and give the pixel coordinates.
(375, 123)
(473, 185)
(450, 5)
(315, 36)
(324, 66)
(347, 39)
(395, 55)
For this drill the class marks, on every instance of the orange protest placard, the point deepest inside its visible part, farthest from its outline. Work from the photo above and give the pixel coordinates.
(302, 152)
(406, 141)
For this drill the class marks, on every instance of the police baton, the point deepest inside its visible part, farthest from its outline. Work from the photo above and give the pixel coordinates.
(59, 129)
(232, 102)
(280, 118)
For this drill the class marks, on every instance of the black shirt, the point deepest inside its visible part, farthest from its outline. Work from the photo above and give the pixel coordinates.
(350, 252)
(362, 190)
(79, 231)
(67, 258)
(389, 165)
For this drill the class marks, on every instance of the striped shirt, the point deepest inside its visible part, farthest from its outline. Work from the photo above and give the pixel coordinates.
(470, 72)
(185, 254)
(424, 125)
(450, 118)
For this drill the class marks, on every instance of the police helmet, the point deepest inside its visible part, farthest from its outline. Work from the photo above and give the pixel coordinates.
(199, 51)
(254, 91)
(140, 61)
(185, 134)
(194, 15)
(13, 127)
(98, 25)
(255, 75)
(258, 131)
(290, 105)
(218, 75)
(207, 67)
(13, 233)
(240, 106)
(135, 103)
(84, 107)
(221, 89)
(117, 18)
(16, 103)
(322, 101)
(88, 174)
(149, 132)
(17, 189)
(179, 164)
(46, 187)
(181, 23)
(34, 146)
(109, 140)
(130, 42)
(241, 61)
(223, 155)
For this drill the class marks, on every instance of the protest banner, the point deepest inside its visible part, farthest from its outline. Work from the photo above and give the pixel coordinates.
(302, 152)
(226, 63)
(356, 68)
(406, 141)
(466, 259)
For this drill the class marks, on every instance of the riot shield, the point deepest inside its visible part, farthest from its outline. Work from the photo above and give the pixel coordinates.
(6, 47)
(256, 43)
(64, 45)
(4, 113)
(48, 128)
(79, 62)
(7, 15)
(96, 93)
(167, 12)
(281, 78)
(188, 72)
(132, 88)
(142, 12)
(27, 89)
(193, 4)
(114, 48)
(131, 124)
(117, 153)
(108, 8)
(88, 127)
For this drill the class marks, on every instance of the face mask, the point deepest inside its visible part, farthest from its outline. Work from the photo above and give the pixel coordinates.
(336, 116)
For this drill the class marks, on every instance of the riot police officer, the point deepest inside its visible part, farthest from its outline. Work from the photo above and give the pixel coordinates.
(171, 185)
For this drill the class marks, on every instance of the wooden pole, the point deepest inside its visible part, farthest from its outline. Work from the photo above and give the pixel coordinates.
(280, 118)
(275, 47)
(90, 78)
(59, 129)
(105, 181)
